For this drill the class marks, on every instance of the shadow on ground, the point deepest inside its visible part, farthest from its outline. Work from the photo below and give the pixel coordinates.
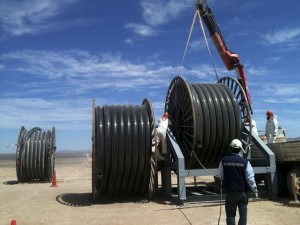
(74, 199)
(10, 182)
(85, 199)
(13, 182)
(209, 196)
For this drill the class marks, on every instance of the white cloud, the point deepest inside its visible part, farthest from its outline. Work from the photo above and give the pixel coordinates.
(74, 72)
(157, 12)
(197, 45)
(281, 93)
(282, 35)
(283, 100)
(256, 71)
(31, 16)
(143, 30)
(129, 41)
(284, 90)
(235, 21)
(273, 59)
(51, 64)
(44, 113)
(204, 72)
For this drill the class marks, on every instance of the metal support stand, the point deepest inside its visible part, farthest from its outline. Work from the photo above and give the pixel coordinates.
(178, 165)
(267, 167)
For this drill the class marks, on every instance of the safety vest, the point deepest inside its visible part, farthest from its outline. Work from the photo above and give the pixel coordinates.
(234, 168)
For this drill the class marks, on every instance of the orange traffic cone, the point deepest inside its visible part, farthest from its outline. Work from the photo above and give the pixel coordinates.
(13, 222)
(54, 184)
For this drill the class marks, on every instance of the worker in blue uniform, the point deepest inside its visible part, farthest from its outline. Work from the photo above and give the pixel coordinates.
(238, 176)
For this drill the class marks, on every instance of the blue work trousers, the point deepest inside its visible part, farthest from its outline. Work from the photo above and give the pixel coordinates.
(233, 201)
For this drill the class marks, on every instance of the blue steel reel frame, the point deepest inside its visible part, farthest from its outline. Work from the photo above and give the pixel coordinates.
(245, 110)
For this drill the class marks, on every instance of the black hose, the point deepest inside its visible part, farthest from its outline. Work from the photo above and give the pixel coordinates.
(205, 118)
(35, 154)
(123, 142)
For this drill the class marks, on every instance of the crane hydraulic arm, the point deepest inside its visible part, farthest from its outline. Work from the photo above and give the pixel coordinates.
(230, 59)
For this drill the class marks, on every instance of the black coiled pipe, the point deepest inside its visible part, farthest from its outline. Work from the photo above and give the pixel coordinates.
(35, 154)
(205, 119)
(122, 143)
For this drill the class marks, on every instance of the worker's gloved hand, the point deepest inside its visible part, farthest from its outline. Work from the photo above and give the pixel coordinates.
(153, 148)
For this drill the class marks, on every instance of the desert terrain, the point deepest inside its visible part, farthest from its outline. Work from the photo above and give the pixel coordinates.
(39, 203)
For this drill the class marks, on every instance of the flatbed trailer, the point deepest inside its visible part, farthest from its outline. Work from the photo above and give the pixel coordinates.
(287, 156)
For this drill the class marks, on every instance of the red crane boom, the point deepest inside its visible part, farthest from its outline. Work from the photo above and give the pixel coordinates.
(230, 58)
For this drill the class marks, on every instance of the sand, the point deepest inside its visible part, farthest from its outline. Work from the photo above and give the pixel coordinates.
(39, 203)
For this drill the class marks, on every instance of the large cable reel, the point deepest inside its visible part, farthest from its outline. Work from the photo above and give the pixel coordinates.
(206, 117)
(35, 154)
(122, 143)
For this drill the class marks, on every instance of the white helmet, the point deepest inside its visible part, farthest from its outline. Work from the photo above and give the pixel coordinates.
(236, 143)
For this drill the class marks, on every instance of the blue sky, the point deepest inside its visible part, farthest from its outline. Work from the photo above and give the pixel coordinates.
(57, 55)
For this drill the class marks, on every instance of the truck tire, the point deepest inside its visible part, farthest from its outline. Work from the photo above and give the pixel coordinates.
(295, 170)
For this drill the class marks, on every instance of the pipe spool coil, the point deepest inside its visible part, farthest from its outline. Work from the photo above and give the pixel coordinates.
(122, 141)
(35, 154)
(206, 117)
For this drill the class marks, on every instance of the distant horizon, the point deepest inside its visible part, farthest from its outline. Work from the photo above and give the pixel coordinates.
(58, 154)
(61, 151)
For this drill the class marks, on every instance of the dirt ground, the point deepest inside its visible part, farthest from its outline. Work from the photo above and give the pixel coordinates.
(39, 203)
